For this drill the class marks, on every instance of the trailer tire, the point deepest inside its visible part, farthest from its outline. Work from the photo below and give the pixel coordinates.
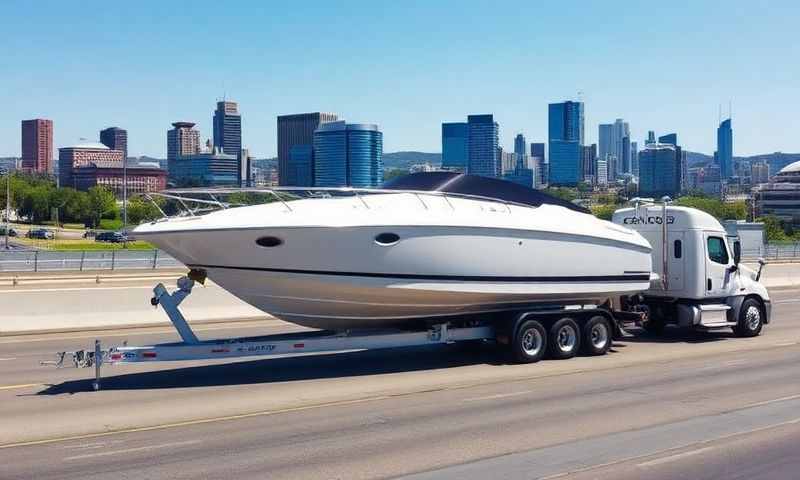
(751, 319)
(597, 336)
(530, 342)
(564, 339)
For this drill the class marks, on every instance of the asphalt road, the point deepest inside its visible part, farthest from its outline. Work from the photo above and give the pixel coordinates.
(682, 406)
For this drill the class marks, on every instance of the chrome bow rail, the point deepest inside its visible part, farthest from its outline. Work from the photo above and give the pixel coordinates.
(197, 201)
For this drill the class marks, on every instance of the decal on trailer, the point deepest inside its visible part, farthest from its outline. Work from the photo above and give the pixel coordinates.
(651, 220)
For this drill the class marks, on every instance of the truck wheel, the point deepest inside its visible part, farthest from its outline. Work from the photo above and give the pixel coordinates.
(751, 319)
(654, 326)
(565, 339)
(530, 343)
(597, 336)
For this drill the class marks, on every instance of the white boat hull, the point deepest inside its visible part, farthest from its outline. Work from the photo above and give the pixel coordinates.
(339, 277)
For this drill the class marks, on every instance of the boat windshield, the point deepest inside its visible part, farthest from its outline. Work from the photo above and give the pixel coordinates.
(460, 183)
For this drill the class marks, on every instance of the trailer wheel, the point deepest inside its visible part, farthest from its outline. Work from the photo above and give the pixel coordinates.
(597, 336)
(751, 319)
(565, 339)
(530, 342)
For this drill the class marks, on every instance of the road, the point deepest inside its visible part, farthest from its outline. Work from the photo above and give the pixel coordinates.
(681, 406)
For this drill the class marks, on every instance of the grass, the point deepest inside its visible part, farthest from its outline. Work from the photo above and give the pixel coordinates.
(110, 224)
(81, 244)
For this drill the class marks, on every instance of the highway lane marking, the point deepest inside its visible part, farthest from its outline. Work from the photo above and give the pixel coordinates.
(131, 450)
(677, 456)
(496, 396)
(7, 359)
(204, 421)
(24, 385)
(774, 400)
(785, 344)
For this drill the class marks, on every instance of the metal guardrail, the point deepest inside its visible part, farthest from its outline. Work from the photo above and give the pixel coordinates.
(45, 260)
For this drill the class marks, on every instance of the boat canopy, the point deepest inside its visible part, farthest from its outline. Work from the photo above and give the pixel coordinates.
(464, 184)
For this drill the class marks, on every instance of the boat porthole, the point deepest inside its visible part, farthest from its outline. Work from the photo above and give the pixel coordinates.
(269, 241)
(386, 239)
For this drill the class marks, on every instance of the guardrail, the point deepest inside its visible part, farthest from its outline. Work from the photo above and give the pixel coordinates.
(775, 251)
(45, 260)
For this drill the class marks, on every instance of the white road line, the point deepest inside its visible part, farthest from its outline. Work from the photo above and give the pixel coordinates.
(131, 450)
(499, 395)
(659, 461)
(774, 400)
(794, 300)
(785, 344)
(7, 359)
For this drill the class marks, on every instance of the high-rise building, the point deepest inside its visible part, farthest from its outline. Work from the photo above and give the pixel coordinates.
(297, 130)
(759, 173)
(682, 170)
(37, 145)
(537, 150)
(520, 148)
(621, 131)
(602, 172)
(508, 160)
(659, 171)
(725, 149)
(605, 140)
(588, 163)
(565, 136)
(300, 170)
(455, 146)
(115, 138)
(228, 128)
(483, 144)
(182, 140)
(626, 155)
(635, 159)
(651, 138)
(348, 155)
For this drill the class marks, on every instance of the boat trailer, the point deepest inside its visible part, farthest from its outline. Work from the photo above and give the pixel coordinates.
(192, 348)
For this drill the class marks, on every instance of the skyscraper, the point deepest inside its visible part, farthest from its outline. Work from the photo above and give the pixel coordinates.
(651, 138)
(538, 163)
(483, 143)
(228, 128)
(565, 136)
(115, 138)
(588, 163)
(680, 155)
(622, 130)
(182, 140)
(519, 144)
(297, 130)
(37, 145)
(348, 155)
(659, 171)
(626, 155)
(635, 158)
(605, 140)
(725, 149)
(455, 145)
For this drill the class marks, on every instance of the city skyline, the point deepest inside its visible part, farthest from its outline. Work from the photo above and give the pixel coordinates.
(418, 75)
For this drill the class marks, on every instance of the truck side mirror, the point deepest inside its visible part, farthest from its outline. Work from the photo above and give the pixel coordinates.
(737, 252)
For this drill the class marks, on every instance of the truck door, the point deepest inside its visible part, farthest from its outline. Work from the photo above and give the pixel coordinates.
(677, 255)
(718, 259)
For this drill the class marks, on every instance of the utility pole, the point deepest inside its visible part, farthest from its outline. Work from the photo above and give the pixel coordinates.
(8, 206)
(125, 200)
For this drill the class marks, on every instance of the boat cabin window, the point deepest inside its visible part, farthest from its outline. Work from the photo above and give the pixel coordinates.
(269, 241)
(717, 252)
(678, 249)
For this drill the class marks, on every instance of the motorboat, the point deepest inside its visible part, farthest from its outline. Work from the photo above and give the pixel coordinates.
(426, 246)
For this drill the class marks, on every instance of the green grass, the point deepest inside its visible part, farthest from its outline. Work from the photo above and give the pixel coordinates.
(81, 244)
(110, 224)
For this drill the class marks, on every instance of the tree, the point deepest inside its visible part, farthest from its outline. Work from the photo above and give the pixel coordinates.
(773, 229)
(101, 204)
(604, 212)
(392, 173)
(141, 210)
(563, 193)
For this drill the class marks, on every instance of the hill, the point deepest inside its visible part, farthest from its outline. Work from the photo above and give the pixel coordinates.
(404, 160)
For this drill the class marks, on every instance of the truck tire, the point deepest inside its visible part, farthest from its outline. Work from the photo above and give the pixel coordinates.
(654, 326)
(564, 339)
(751, 319)
(597, 336)
(530, 342)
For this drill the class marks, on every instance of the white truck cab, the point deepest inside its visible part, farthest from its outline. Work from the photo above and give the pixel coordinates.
(701, 283)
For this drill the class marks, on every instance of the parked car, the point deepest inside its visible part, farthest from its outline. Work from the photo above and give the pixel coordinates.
(11, 231)
(111, 237)
(41, 234)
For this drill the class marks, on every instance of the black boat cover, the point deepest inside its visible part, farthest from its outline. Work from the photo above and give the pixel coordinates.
(476, 185)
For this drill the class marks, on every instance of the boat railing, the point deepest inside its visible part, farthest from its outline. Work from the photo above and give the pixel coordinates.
(198, 201)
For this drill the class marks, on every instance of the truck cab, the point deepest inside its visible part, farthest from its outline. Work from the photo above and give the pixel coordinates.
(701, 283)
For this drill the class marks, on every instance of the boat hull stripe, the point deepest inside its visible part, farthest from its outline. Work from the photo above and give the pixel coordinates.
(455, 278)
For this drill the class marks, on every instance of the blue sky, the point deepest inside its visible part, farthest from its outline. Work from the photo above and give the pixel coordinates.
(407, 66)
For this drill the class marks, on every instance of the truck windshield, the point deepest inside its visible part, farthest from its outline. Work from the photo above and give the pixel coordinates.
(717, 252)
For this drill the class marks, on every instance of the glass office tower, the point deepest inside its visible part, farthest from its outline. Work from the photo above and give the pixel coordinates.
(455, 145)
(348, 155)
(484, 140)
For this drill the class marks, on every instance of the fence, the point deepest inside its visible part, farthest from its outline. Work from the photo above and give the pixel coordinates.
(44, 260)
(776, 251)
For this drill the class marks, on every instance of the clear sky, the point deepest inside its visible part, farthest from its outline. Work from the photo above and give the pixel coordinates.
(405, 65)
